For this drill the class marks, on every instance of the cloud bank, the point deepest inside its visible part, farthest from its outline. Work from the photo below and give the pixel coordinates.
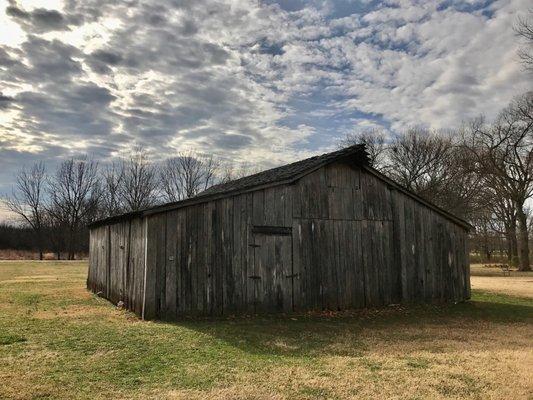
(264, 82)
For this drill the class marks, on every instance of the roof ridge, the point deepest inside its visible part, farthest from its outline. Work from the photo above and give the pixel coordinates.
(326, 156)
(269, 177)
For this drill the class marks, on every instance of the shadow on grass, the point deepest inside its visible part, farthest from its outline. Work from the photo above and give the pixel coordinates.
(197, 354)
(339, 334)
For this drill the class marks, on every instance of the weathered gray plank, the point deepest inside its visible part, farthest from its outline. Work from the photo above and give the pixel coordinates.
(170, 310)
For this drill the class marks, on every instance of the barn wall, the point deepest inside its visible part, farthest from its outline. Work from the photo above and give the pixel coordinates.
(116, 262)
(342, 239)
(200, 261)
(431, 252)
(359, 242)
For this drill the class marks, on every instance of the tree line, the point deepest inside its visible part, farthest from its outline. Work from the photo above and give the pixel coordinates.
(482, 173)
(56, 206)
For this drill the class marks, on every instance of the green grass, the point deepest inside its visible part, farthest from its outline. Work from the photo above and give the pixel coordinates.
(59, 341)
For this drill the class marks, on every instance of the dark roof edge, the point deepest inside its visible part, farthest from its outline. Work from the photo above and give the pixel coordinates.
(397, 186)
(115, 218)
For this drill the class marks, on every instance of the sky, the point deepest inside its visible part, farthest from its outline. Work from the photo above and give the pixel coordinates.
(261, 82)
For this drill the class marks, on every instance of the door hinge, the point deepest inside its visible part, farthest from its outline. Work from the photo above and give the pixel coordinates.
(292, 276)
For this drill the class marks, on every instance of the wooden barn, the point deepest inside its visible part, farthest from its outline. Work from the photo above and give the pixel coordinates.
(325, 233)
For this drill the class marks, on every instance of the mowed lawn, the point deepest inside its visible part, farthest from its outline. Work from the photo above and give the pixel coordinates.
(59, 341)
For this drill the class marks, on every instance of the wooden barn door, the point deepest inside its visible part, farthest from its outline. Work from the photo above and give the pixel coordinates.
(272, 274)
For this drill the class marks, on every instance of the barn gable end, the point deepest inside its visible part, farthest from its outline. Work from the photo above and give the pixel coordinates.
(334, 235)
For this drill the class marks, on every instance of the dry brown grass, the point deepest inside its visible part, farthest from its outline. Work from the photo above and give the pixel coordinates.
(57, 341)
(513, 285)
(12, 254)
(492, 280)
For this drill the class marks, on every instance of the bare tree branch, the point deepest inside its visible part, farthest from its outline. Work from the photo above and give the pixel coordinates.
(374, 141)
(138, 187)
(27, 200)
(186, 175)
(524, 29)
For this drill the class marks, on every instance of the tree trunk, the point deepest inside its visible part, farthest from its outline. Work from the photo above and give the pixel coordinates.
(486, 249)
(39, 239)
(71, 244)
(524, 239)
(512, 243)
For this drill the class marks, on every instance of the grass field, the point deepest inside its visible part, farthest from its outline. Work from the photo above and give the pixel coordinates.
(491, 280)
(59, 341)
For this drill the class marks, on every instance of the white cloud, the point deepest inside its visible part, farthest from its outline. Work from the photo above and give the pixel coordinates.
(5, 214)
(246, 80)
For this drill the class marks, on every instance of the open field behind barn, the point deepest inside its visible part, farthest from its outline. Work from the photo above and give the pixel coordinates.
(492, 280)
(57, 341)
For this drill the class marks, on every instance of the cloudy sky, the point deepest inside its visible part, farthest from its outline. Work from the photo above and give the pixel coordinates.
(263, 81)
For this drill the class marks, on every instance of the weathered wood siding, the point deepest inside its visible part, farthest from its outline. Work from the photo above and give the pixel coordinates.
(205, 259)
(116, 262)
(338, 238)
(343, 236)
(359, 243)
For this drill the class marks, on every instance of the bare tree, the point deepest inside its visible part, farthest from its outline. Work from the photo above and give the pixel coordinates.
(436, 168)
(138, 187)
(230, 171)
(27, 200)
(186, 175)
(73, 192)
(503, 153)
(374, 141)
(417, 160)
(505, 212)
(57, 229)
(112, 177)
(524, 29)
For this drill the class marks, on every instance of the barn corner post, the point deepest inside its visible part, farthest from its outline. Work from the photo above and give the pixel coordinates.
(91, 268)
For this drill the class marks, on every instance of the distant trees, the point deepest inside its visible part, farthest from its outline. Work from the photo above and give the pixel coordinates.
(17, 237)
(431, 164)
(503, 156)
(28, 201)
(74, 193)
(186, 175)
(483, 173)
(138, 186)
(56, 207)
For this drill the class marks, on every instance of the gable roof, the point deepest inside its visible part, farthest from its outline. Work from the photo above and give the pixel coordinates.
(281, 175)
(286, 172)
(271, 177)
